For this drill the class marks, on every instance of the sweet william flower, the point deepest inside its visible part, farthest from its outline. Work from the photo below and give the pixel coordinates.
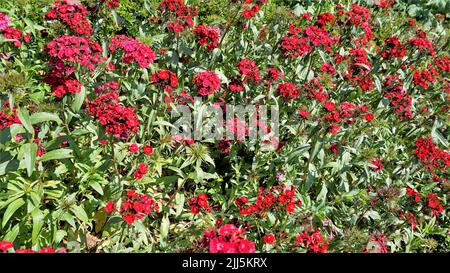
(110, 207)
(269, 238)
(5, 245)
(148, 150)
(134, 148)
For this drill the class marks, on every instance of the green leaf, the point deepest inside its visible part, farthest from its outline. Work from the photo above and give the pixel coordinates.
(80, 213)
(38, 222)
(25, 120)
(57, 154)
(164, 229)
(29, 152)
(78, 100)
(12, 235)
(44, 116)
(11, 209)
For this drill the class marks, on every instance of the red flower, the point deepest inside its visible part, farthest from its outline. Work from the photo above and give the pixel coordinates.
(269, 238)
(249, 70)
(5, 245)
(378, 166)
(303, 113)
(207, 35)
(288, 90)
(134, 148)
(133, 50)
(207, 82)
(148, 150)
(369, 117)
(110, 207)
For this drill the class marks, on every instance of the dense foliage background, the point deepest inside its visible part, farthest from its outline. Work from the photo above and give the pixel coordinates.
(88, 162)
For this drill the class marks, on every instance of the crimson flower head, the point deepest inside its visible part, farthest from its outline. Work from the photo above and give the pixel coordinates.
(134, 148)
(148, 150)
(207, 83)
(110, 207)
(269, 238)
(5, 245)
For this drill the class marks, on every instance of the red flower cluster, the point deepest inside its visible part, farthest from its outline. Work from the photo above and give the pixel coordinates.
(107, 87)
(249, 70)
(360, 16)
(62, 85)
(165, 80)
(73, 50)
(293, 44)
(133, 50)
(267, 199)
(394, 48)
(377, 164)
(359, 69)
(8, 116)
(117, 119)
(434, 203)
(400, 101)
(315, 90)
(12, 33)
(141, 171)
(135, 207)
(443, 64)
(199, 203)
(315, 242)
(251, 7)
(207, 35)
(288, 90)
(5, 245)
(318, 37)
(207, 82)
(377, 243)
(111, 4)
(228, 239)
(73, 15)
(273, 74)
(423, 45)
(328, 68)
(431, 157)
(424, 77)
(178, 13)
(323, 19)
(269, 238)
(414, 194)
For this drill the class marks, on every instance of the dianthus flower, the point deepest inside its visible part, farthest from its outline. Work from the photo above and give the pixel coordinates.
(207, 82)
(133, 50)
(207, 35)
(73, 15)
(117, 119)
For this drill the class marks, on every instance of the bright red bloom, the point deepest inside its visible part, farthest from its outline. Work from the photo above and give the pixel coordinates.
(73, 15)
(288, 90)
(304, 114)
(269, 238)
(228, 239)
(394, 48)
(207, 35)
(117, 119)
(133, 50)
(178, 14)
(207, 83)
(314, 243)
(5, 245)
(249, 70)
(369, 116)
(8, 116)
(110, 207)
(148, 150)
(134, 148)
(378, 166)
